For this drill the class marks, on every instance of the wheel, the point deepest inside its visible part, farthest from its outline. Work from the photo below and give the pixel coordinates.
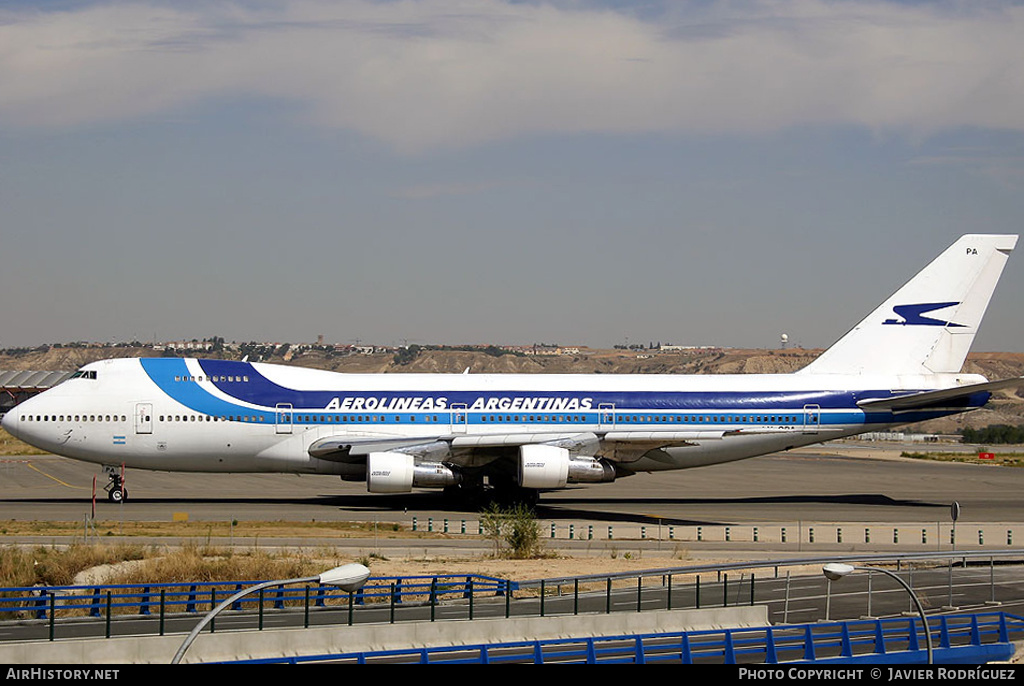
(117, 494)
(470, 498)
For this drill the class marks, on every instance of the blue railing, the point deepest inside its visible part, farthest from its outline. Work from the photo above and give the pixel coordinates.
(145, 599)
(969, 638)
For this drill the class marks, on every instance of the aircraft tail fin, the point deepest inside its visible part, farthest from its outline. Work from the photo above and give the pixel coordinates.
(928, 325)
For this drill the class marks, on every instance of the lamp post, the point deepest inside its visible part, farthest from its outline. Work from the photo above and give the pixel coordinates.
(836, 570)
(350, 577)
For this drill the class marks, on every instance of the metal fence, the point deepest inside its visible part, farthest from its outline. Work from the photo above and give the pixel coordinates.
(974, 638)
(55, 603)
(962, 578)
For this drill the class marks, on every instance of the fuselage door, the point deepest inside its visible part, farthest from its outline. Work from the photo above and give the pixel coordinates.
(812, 418)
(283, 418)
(460, 418)
(143, 418)
(606, 415)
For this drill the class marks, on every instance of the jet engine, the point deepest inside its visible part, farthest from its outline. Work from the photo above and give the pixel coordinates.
(548, 466)
(392, 472)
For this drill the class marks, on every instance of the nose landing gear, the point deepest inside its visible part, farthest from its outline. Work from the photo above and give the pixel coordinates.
(116, 492)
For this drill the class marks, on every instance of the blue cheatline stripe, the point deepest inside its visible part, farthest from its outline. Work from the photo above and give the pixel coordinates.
(259, 390)
(656, 409)
(162, 372)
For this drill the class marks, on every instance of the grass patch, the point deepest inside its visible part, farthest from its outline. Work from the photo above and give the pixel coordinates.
(205, 530)
(1000, 459)
(200, 563)
(58, 566)
(51, 566)
(193, 562)
(9, 445)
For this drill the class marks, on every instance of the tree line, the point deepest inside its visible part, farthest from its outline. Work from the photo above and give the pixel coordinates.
(994, 433)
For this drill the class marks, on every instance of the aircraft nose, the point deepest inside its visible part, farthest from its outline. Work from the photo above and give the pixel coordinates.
(10, 422)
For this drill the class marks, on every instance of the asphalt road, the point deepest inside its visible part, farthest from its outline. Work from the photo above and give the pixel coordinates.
(778, 488)
(805, 487)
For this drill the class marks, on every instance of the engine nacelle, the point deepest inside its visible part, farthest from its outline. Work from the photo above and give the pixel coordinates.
(543, 466)
(398, 473)
(389, 472)
(590, 470)
(548, 466)
(434, 475)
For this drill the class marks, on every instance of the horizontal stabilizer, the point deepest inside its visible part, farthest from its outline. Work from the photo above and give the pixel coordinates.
(916, 401)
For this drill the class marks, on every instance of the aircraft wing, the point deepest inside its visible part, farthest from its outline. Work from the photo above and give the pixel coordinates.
(562, 440)
(355, 448)
(345, 448)
(931, 399)
(349, 448)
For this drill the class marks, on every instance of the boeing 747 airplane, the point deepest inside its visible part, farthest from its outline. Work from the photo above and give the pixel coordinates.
(518, 435)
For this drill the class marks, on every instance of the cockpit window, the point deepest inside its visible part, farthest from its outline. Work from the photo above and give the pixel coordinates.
(84, 374)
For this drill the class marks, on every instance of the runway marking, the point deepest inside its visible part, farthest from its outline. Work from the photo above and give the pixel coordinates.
(49, 476)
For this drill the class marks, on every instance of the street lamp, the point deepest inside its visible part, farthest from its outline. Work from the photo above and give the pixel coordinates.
(350, 577)
(837, 570)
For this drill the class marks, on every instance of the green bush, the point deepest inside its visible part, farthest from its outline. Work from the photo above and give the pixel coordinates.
(514, 530)
(994, 433)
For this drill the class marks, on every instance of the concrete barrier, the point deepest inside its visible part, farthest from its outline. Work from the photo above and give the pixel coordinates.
(237, 645)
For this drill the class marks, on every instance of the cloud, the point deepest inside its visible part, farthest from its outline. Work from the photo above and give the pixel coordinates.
(1004, 166)
(453, 73)
(440, 190)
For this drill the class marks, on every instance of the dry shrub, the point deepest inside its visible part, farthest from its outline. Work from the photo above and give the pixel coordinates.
(514, 530)
(59, 566)
(20, 567)
(16, 568)
(194, 563)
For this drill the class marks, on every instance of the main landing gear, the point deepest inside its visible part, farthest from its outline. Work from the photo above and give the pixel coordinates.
(474, 495)
(116, 492)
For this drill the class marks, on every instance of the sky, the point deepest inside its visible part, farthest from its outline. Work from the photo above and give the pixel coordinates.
(486, 171)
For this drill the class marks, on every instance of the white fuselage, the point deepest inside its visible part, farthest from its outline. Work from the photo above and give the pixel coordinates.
(218, 416)
(900, 364)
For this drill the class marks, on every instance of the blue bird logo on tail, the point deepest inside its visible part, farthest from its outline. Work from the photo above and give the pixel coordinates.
(913, 315)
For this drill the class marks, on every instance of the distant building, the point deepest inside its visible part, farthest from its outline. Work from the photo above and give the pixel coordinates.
(550, 349)
(185, 345)
(16, 386)
(902, 437)
(682, 348)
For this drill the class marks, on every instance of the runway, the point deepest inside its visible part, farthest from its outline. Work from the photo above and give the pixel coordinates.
(787, 487)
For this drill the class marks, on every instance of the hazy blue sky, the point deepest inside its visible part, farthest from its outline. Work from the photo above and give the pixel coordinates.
(483, 171)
